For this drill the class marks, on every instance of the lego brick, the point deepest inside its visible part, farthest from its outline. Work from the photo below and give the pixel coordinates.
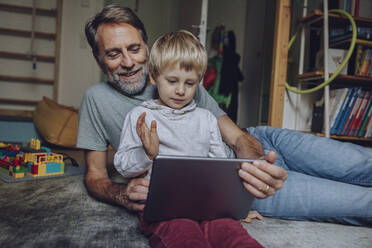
(53, 168)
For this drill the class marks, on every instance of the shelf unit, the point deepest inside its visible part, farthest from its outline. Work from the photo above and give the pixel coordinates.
(55, 13)
(315, 19)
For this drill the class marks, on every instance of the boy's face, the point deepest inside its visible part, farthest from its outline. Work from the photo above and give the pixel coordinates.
(176, 87)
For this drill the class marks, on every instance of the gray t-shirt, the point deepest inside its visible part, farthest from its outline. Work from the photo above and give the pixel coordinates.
(103, 110)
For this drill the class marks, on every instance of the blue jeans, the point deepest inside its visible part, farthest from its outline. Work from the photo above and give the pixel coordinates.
(327, 180)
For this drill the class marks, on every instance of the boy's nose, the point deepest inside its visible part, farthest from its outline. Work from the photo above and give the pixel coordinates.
(180, 90)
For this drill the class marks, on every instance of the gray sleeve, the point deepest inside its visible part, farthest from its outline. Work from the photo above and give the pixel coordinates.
(91, 134)
(131, 159)
(216, 146)
(204, 100)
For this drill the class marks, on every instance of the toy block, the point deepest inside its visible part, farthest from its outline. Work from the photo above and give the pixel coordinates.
(18, 175)
(35, 169)
(53, 168)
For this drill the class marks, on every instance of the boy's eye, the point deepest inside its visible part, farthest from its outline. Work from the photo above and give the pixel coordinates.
(190, 83)
(171, 80)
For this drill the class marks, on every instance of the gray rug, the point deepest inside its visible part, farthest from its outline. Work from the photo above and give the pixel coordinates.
(59, 213)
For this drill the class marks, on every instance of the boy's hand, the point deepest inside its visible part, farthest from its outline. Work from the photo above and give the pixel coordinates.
(252, 215)
(149, 137)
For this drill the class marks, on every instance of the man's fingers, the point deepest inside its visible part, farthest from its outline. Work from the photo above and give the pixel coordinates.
(145, 182)
(273, 170)
(255, 186)
(136, 194)
(271, 156)
(135, 206)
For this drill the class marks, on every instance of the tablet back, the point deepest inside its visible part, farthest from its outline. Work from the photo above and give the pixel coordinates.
(196, 188)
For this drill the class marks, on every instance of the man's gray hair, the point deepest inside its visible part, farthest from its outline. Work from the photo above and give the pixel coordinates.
(112, 14)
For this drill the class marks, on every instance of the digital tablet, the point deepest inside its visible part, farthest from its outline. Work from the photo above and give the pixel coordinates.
(196, 188)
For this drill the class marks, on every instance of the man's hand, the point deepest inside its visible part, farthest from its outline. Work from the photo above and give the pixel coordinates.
(135, 194)
(149, 137)
(262, 177)
(100, 186)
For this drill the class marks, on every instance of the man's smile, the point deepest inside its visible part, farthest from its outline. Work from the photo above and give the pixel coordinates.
(129, 74)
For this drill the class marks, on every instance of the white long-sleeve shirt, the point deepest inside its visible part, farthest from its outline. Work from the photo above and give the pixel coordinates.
(190, 131)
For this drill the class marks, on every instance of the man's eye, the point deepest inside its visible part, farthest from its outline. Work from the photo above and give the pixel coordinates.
(135, 49)
(112, 55)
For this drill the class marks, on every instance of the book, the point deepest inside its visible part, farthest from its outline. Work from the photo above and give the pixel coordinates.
(352, 7)
(361, 61)
(340, 34)
(369, 68)
(358, 98)
(357, 4)
(366, 61)
(358, 117)
(335, 59)
(340, 112)
(365, 118)
(368, 133)
(337, 97)
(358, 55)
(347, 111)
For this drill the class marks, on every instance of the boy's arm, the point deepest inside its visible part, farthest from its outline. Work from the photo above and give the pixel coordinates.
(262, 178)
(131, 159)
(216, 145)
(100, 186)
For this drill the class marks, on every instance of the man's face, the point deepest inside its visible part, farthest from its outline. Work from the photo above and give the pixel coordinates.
(122, 54)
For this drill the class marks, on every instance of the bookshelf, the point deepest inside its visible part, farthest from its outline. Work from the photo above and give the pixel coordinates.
(313, 78)
(19, 96)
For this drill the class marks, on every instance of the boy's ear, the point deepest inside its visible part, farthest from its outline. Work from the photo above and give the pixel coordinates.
(152, 80)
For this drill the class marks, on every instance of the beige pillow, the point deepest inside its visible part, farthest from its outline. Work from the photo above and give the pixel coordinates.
(56, 123)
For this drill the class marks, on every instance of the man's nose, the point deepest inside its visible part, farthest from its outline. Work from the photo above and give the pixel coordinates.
(127, 61)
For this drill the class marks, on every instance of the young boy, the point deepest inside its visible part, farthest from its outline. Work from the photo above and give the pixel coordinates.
(177, 127)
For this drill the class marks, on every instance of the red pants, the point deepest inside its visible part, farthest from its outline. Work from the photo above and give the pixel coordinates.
(188, 233)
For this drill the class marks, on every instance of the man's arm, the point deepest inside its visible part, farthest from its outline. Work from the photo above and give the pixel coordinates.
(243, 144)
(263, 178)
(100, 186)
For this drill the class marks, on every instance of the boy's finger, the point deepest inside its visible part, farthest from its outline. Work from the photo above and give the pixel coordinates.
(140, 121)
(153, 127)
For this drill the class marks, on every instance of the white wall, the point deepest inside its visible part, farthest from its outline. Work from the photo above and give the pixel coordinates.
(78, 69)
(16, 44)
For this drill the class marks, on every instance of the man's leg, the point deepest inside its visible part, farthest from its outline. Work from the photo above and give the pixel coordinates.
(311, 191)
(174, 233)
(227, 233)
(317, 156)
(305, 197)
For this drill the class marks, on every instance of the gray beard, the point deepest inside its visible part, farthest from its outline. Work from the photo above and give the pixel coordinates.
(130, 88)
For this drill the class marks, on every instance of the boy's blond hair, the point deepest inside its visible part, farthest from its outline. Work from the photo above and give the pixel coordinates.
(180, 47)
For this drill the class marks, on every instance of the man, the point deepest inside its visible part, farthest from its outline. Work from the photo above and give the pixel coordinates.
(119, 44)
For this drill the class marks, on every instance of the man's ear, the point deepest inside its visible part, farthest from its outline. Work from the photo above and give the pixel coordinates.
(152, 80)
(99, 63)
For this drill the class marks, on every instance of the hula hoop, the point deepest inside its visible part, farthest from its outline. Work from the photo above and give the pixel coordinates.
(338, 71)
